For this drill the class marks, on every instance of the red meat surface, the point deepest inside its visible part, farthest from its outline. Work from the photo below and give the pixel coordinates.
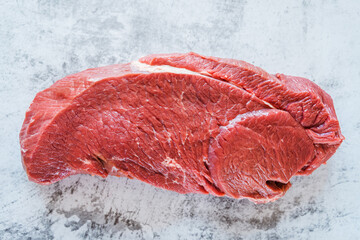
(223, 127)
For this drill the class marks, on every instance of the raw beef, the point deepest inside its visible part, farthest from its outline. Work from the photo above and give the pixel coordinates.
(183, 122)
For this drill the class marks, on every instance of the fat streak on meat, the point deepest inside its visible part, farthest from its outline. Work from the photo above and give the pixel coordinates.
(183, 122)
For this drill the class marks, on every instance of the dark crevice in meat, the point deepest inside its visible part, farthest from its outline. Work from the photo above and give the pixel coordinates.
(277, 186)
(100, 161)
(303, 169)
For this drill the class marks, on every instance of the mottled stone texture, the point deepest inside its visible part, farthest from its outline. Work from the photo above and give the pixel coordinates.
(43, 41)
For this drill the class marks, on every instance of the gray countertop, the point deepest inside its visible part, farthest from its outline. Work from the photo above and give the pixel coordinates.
(43, 41)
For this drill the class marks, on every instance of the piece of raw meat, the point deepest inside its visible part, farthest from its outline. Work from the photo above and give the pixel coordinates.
(182, 122)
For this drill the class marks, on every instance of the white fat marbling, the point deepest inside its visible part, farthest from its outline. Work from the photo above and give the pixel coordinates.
(243, 116)
(161, 68)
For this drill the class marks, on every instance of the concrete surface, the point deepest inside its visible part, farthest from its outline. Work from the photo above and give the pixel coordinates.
(43, 41)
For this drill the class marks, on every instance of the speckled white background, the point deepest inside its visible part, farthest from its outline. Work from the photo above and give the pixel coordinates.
(43, 41)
